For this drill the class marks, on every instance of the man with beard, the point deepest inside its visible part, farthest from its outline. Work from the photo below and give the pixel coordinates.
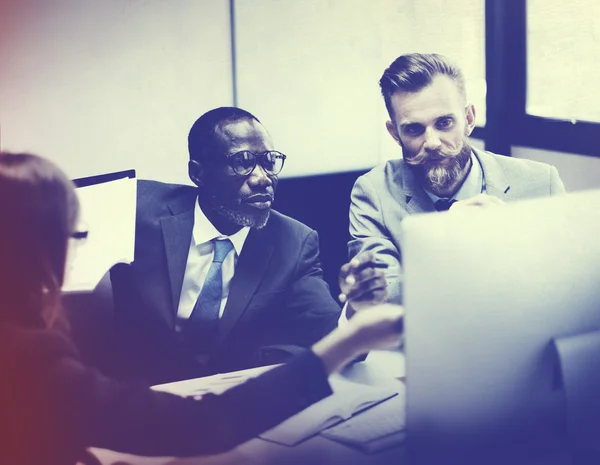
(431, 120)
(220, 282)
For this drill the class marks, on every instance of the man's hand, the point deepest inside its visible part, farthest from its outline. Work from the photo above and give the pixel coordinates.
(362, 283)
(481, 200)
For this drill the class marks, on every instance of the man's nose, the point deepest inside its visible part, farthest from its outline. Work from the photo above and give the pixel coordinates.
(259, 177)
(432, 140)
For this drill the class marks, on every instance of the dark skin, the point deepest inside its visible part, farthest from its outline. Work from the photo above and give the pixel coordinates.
(250, 195)
(362, 281)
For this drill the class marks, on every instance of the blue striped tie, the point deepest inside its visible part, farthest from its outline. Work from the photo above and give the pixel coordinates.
(205, 316)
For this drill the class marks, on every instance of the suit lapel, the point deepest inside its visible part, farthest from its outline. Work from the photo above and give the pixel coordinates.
(415, 197)
(177, 234)
(495, 178)
(249, 271)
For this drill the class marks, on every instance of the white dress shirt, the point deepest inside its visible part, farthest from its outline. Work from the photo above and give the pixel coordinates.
(200, 258)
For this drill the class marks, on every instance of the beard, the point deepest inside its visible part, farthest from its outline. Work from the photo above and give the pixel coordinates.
(439, 171)
(234, 214)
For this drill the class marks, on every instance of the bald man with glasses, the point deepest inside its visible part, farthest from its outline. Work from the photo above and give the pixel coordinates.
(220, 282)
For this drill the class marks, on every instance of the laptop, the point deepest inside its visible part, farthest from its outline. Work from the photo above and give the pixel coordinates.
(487, 294)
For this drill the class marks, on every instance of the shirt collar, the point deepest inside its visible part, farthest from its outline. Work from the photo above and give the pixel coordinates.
(204, 231)
(472, 185)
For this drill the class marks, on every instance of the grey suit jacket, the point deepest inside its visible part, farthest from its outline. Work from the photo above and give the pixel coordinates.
(388, 193)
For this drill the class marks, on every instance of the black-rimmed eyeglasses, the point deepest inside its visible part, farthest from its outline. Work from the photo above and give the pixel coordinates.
(244, 162)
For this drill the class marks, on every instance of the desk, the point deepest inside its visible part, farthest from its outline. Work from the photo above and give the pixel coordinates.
(374, 371)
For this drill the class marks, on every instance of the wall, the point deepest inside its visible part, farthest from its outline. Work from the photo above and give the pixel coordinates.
(108, 85)
(578, 172)
(310, 70)
(101, 86)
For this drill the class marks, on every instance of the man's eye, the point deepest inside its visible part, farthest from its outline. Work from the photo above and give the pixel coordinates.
(243, 161)
(413, 130)
(269, 162)
(444, 123)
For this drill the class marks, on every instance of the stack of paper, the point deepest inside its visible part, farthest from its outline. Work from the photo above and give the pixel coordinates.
(374, 429)
(215, 384)
(347, 400)
(348, 408)
(107, 212)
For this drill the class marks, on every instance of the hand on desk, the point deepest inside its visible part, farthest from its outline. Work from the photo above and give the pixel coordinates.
(362, 283)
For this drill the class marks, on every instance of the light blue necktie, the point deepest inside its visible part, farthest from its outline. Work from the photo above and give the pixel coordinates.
(203, 321)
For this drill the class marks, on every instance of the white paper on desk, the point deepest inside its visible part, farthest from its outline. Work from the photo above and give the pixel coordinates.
(107, 212)
(215, 384)
(348, 398)
(373, 430)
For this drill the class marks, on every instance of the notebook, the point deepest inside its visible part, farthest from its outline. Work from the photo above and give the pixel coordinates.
(373, 429)
(347, 400)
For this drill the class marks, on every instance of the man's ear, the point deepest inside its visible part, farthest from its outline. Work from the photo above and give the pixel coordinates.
(196, 172)
(470, 116)
(391, 128)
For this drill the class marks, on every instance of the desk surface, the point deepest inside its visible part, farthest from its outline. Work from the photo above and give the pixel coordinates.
(375, 371)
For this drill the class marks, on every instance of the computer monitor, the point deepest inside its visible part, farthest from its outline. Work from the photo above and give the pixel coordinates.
(486, 292)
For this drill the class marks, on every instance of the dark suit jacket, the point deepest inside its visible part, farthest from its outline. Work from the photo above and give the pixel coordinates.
(52, 406)
(277, 295)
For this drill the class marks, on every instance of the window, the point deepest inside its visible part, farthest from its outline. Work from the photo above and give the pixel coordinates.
(563, 52)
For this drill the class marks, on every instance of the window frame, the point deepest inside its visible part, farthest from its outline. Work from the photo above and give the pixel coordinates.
(508, 123)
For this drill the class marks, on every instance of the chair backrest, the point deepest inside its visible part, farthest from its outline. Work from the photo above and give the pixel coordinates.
(322, 203)
(91, 317)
